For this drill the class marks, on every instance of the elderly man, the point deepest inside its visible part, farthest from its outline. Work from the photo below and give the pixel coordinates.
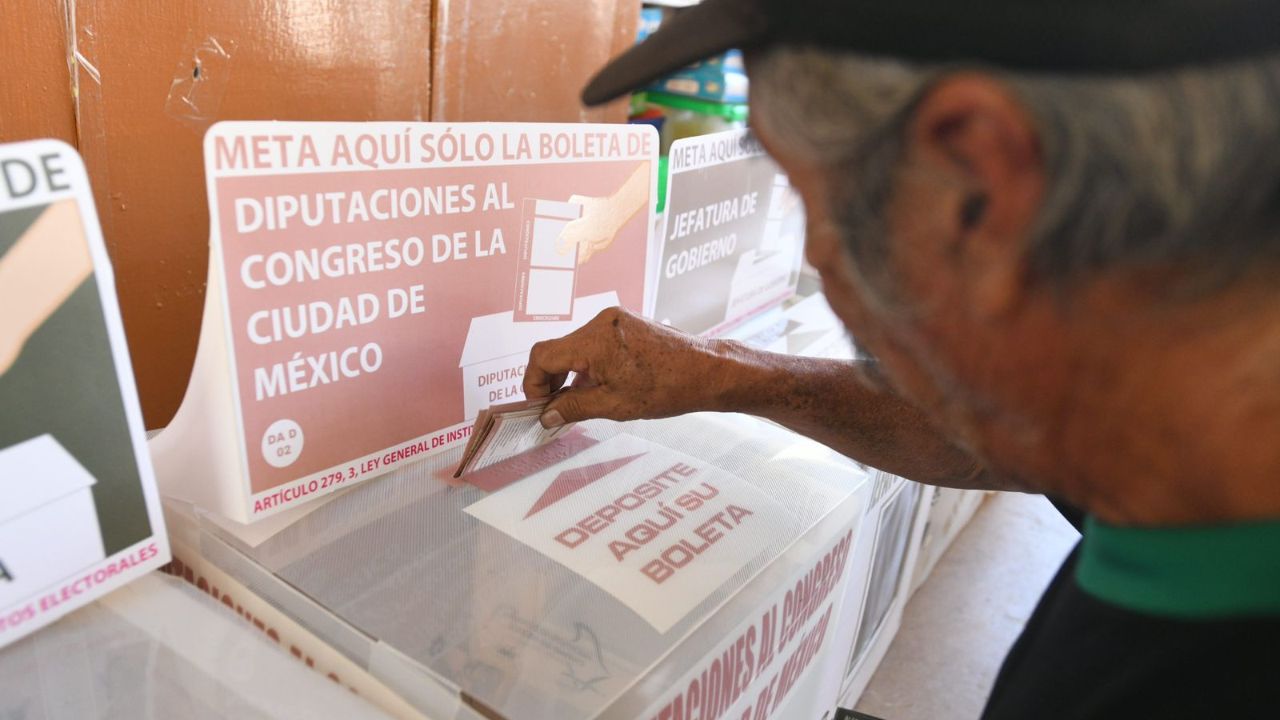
(1056, 228)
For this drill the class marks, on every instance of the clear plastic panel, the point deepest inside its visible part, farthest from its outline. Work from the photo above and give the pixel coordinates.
(160, 649)
(397, 571)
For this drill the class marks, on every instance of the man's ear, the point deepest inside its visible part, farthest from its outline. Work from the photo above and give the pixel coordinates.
(971, 127)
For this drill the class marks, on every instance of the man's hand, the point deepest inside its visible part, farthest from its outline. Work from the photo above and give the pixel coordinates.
(627, 368)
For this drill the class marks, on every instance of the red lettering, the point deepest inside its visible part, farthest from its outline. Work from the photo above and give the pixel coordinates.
(657, 571)
(572, 538)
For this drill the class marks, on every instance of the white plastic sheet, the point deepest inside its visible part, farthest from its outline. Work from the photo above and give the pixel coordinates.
(397, 572)
(159, 649)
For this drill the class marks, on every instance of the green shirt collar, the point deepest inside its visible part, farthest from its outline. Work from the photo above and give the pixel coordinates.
(1197, 572)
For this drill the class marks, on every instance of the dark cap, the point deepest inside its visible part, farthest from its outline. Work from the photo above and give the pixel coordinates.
(1067, 36)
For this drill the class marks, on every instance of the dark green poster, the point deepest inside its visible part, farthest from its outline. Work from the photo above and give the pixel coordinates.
(78, 511)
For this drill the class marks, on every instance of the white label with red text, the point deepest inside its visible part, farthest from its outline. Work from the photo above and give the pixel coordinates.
(655, 528)
(753, 672)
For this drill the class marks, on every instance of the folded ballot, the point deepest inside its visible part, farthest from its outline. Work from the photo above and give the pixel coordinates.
(502, 432)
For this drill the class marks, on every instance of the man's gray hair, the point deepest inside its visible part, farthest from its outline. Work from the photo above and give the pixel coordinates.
(1178, 170)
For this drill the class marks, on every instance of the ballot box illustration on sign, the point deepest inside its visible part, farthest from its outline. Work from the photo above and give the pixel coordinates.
(44, 488)
(374, 286)
(79, 512)
(548, 266)
(497, 347)
(734, 234)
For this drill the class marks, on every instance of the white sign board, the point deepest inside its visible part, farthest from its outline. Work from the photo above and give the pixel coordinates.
(734, 235)
(374, 286)
(79, 513)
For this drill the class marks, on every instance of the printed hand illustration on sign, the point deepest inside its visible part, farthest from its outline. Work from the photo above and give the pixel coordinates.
(604, 217)
(38, 274)
(591, 657)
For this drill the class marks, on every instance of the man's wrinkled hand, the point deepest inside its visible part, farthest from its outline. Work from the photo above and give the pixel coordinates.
(626, 368)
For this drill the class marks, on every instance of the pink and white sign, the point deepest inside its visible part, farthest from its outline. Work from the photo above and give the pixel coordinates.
(367, 297)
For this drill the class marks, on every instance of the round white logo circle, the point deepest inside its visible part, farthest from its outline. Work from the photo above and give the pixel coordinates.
(282, 443)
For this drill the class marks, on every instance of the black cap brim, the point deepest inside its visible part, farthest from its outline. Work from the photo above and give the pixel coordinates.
(1065, 36)
(702, 31)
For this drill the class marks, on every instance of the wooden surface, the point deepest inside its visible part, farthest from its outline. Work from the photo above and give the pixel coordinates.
(143, 115)
(35, 86)
(526, 61)
(135, 84)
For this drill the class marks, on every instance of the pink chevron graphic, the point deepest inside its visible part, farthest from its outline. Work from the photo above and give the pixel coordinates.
(571, 481)
(512, 470)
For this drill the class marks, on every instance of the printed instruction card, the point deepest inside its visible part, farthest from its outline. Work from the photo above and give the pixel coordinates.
(375, 286)
(79, 512)
(734, 235)
(655, 528)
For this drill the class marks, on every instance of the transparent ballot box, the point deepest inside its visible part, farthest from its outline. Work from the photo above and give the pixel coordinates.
(630, 570)
(159, 649)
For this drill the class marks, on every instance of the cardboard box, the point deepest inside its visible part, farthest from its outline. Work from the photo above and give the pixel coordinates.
(36, 91)
(527, 61)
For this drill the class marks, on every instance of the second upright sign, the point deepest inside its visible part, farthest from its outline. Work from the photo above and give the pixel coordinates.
(734, 234)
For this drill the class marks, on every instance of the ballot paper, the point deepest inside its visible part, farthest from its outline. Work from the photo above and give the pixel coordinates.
(502, 432)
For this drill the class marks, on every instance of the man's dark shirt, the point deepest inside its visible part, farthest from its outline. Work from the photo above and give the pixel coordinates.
(1201, 640)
